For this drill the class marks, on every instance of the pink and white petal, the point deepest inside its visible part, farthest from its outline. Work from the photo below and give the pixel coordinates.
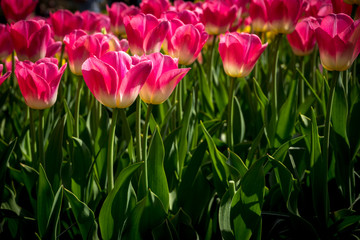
(154, 38)
(120, 61)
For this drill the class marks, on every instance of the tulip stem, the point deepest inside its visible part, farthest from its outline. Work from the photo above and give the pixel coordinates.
(12, 76)
(33, 139)
(138, 130)
(77, 107)
(230, 113)
(41, 153)
(212, 62)
(274, 76)
(110, 152)
(326, 143)
(145, 136)
(301, 82)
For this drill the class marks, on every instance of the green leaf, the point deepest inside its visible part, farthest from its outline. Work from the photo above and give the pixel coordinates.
(238, 123)
(247, 203)
(117, 204)
(340, 112)
(156, 173)
(54, 156)
(236, 162)
(182, 224)
(147, 214)
(262, 99)
(4, 159)
(225, 213)
(318, 174)
(44, 202)
(84, 216)
(219, 164)
(287, 116)
(204, 87)
(53, 221)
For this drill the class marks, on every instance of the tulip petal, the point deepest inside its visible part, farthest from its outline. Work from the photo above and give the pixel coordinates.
(120, 61)
(154, 39)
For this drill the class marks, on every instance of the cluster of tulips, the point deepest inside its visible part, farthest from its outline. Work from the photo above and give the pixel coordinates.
(145, 54)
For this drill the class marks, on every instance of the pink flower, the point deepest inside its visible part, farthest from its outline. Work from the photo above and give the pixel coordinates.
(239, 52)
(114, 79)
(180, 5)
(259, 15)
(283, 14)
(39, 81)
(95, 22)
(218, 17)
(338, 40)
(117, 12)
(5, 76)
(15, 10)
(145, 33)
(163, 78)
(318, 8)
(30, 39)
(154, 7)
(80, 46)
(185, 41)
(64, 22)
(186, 16)
(6, 46)
(303, 40)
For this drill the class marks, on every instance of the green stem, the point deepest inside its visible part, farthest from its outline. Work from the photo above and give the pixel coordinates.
(41, 152)
(77, 107)
(230, 112)
(274, 76)
(326, 143)
(212, 62)
(12, 75)
(138, 130)
(301, 82)
(33, 139)
(110, 152)
(145, 135)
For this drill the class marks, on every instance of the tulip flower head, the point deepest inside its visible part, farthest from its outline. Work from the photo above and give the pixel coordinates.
(117, 12)
(317, 8)
(5, 76)
(163, 78)
(145, 33)
(339, 6)
(154, 7)
(259, 15)
(64, 22)
(186, 41)
(218, 17)
(15, 10)
(239, 52)
(30, 39)
(94, 22)
(338, 40)
(303, 40)
(6, 46)
(115, 79)
(39, 81)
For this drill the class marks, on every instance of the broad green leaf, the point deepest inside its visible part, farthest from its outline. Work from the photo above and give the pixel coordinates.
(84, 216)
(254, 147)
(247, 203)
(318, 174)
(147, 214)
(339, 114)
(238, 123)
(4, 159)
(53, 221)
(182, 225)
(206, 92)
(54, 154)
(262, 99)
(236, 162)
(287, 116)
(156, 173)
(225, 213)
(117, 204)
(30, 177)
(44, 202)
(218, 162)
(354, 136)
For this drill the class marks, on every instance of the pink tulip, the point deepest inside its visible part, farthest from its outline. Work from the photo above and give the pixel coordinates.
(259, 15)
(317, 8)
(154, 7)
(340, 7)
(181, 5)
(303, 40)
(15, 10)
(283, 14)
(30, 39)
(239, 53)
(95, 22)
(145, 33)
(163, 78)
(6, 46)
(114, 79)
(185, 16)
(39, 81)
(218, 16)
(80, 46)
(64, 22)
(117, 12)
(338, 40)
(5, 76)
(186, 41)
